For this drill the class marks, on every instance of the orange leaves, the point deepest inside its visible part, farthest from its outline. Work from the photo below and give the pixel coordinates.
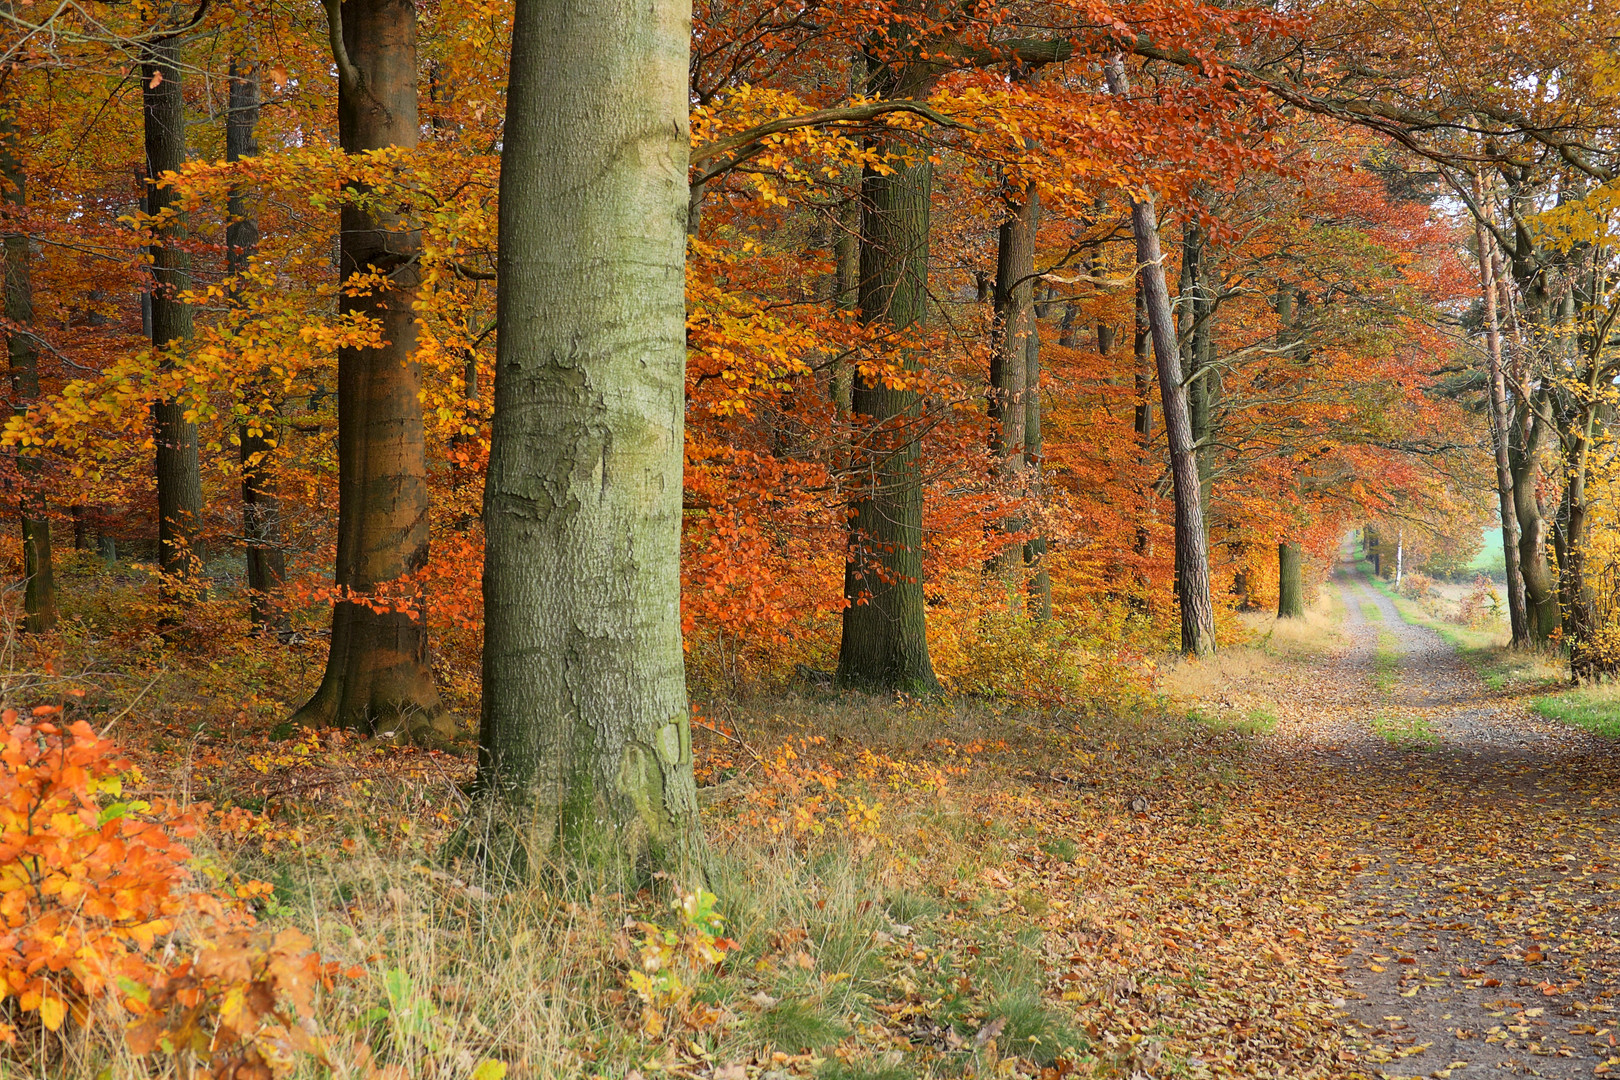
(96, 892)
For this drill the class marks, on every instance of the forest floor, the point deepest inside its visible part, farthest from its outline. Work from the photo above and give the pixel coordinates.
(1478, 917)
(1346, 849)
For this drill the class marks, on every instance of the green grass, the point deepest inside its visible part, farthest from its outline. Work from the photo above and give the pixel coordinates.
(1410, 731)
(1386, 663)
(1500, 668)
(1595, 708)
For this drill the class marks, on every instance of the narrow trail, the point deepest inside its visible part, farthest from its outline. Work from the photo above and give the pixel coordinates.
(1483, 931)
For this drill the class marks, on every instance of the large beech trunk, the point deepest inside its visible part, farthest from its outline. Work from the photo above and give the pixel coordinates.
(39, 588)
(256, 436)
(377, 676)
(1192, 543)
(585, 749)
(1518, 619)
(1540, 583)
(884, 646)
(179, 478)
(1035, 548)
(1009, 364)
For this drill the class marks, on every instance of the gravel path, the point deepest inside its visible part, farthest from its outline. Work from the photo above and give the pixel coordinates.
(1489, 933)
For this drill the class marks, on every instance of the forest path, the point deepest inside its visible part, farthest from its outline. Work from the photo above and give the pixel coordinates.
(1484, 938)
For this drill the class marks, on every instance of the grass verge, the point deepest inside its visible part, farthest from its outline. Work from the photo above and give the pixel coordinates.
(1595, 708)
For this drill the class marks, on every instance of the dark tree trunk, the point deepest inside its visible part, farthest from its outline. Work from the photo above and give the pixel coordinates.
(1198, 352)
(1192, 543)
(179, 477)
(846, 294)
(377, 676)
(39, 588)
(884, 645)
(257, 435)
(1009, 364)
(585, 746)
(1290, 586)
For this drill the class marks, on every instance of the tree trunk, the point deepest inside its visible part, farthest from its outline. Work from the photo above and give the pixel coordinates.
(1192, 543)
(39, 588)
(1035, 548)
(585, 744)
(1290, 586)
(1540, 583)
(1009, 365)
(1517, 616)
(1198, 352)
(256, 436)
(377, 677)
(884, 645)
(179, 477)
(846, 294)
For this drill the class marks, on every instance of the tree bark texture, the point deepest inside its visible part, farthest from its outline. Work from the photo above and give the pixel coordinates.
(1517, 618)
(256, 436)
(1009, 364)
(179, 478)
(377, 676)
(1192, 543)
(884, 645)
(1540, 582)
(39, 583)
(585, 745)
(1290, 583)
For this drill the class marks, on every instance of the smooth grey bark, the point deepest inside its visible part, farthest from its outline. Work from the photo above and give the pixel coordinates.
(884, 643)
(1036, 547)
(257, 436)
(39, 582)
(1540, 582)
(1192, 543)
(179, 476)
(1518, 618)
(585, 745)
(1290, 586)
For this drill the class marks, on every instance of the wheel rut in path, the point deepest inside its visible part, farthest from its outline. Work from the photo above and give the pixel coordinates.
(1482, 932)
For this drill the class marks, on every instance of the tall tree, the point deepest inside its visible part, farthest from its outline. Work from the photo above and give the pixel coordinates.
(377, 677)
(179, 476)
(1517, 618)
(256, 438)
(1192, 543)
(1009, 362)
(39, 588)
(884, 645)
(585, 748)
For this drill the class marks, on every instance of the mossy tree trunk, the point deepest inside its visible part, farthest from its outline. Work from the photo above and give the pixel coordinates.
(884, 644)
(377, 677)
(257, 436)
(1192, 542)
(39, 588)
(179, 476)
(585, 748)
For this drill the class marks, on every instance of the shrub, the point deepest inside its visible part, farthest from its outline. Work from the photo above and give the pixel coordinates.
(102, 920)
(1416, 586)
(1480, 605)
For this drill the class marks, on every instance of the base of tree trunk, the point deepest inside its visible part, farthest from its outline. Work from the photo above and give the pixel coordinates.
(377, 680)
(39, 592)
(1290, 583)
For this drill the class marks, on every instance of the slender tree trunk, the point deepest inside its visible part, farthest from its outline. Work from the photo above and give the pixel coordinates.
(39, 587)
(1009, 364)
(1517, 617)
(585, 741)
(1290, 586)
(179, 477)
(884, 645)
(1035, 548)
(1197, 350)
(377, 676)
(846, 293)
(256, 436)
(1192, 543)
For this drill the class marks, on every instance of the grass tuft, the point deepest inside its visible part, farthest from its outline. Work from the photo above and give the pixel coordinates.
(1595, 708)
